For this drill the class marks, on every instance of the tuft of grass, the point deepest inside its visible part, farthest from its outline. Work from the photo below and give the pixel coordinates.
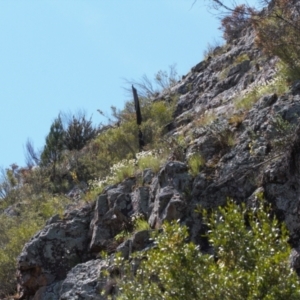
(124, 172)
(278, 85)
(236, 61)
(241, 58)
(137, 223)
(205, 119)
(195, 162)
(151, 162)
(247, 101)
(141, 224)
(122, 236)
(236, 119)
(213, 49)
(93, 192)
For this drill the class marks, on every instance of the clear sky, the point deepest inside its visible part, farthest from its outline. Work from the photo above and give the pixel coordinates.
(61, 56)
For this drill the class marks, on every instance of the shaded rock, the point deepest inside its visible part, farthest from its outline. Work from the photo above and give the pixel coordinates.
(200, 66)
(83, 281)
(241, 68)
(141, 200)
(139, 241)
(267, 100)
(295, 259)
(148, 175)
(53, 251)
(175, 174)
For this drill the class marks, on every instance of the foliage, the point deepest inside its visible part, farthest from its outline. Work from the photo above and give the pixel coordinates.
(129, 167)
(11, 242)
(32, 157)
(250, 261)
(123, 170)
(277, 85)
(278, 31)
(248, 100)
(213, 49)
(195, 162)
(284, 132)
(137, 223)
(15, 231)
(222, 133)
(150, 159)
(74, 153)
(233, 24)
(258, 267)
(121, 142)
(78, 132)
(108, 148)
(53, 150)
(163, 81)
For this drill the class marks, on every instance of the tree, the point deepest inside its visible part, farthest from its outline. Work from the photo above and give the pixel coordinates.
(53, 150)
(78, 132)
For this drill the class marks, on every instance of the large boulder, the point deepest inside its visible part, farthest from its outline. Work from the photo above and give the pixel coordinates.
(53, 251)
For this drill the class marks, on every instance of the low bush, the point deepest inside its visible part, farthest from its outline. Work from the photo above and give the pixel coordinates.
(232, 25)
(250, 260)
(277, 33)
(15, 231)
(195, 162)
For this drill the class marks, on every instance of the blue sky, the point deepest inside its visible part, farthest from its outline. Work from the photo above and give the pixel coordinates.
(64, 56)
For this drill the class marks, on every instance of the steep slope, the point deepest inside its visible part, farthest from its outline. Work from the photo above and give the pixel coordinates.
(236, 112)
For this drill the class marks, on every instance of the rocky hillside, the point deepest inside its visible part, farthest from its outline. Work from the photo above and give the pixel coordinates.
(235, 111)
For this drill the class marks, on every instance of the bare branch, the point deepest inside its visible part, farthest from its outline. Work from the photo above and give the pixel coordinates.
(32, 158)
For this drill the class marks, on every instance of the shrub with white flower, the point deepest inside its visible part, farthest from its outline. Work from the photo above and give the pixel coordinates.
(129, 167)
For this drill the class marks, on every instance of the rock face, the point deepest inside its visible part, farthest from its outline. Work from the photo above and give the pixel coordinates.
(55, 250)
(244, 151)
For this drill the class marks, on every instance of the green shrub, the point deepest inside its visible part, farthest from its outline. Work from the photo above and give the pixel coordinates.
(195, 162)
(121, 142)
(150, 159)
(252, 251)
(250, 261)
(278, 85)
(277, 34)
(16, 231)
(78, 132)
(16, 235)
(123, 170)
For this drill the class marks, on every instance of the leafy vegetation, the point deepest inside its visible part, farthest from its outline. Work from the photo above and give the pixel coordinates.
(277, 34)
(250, 260)
(136, 224)
(233, 24)
(195, 162)
(278, 85)
(76, 153)
(25, 219)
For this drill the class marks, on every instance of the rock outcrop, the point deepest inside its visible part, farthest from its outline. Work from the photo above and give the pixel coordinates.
(244, 151)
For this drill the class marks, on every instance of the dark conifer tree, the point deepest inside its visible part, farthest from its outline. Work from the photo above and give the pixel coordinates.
(78, 133)
(53, 150)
